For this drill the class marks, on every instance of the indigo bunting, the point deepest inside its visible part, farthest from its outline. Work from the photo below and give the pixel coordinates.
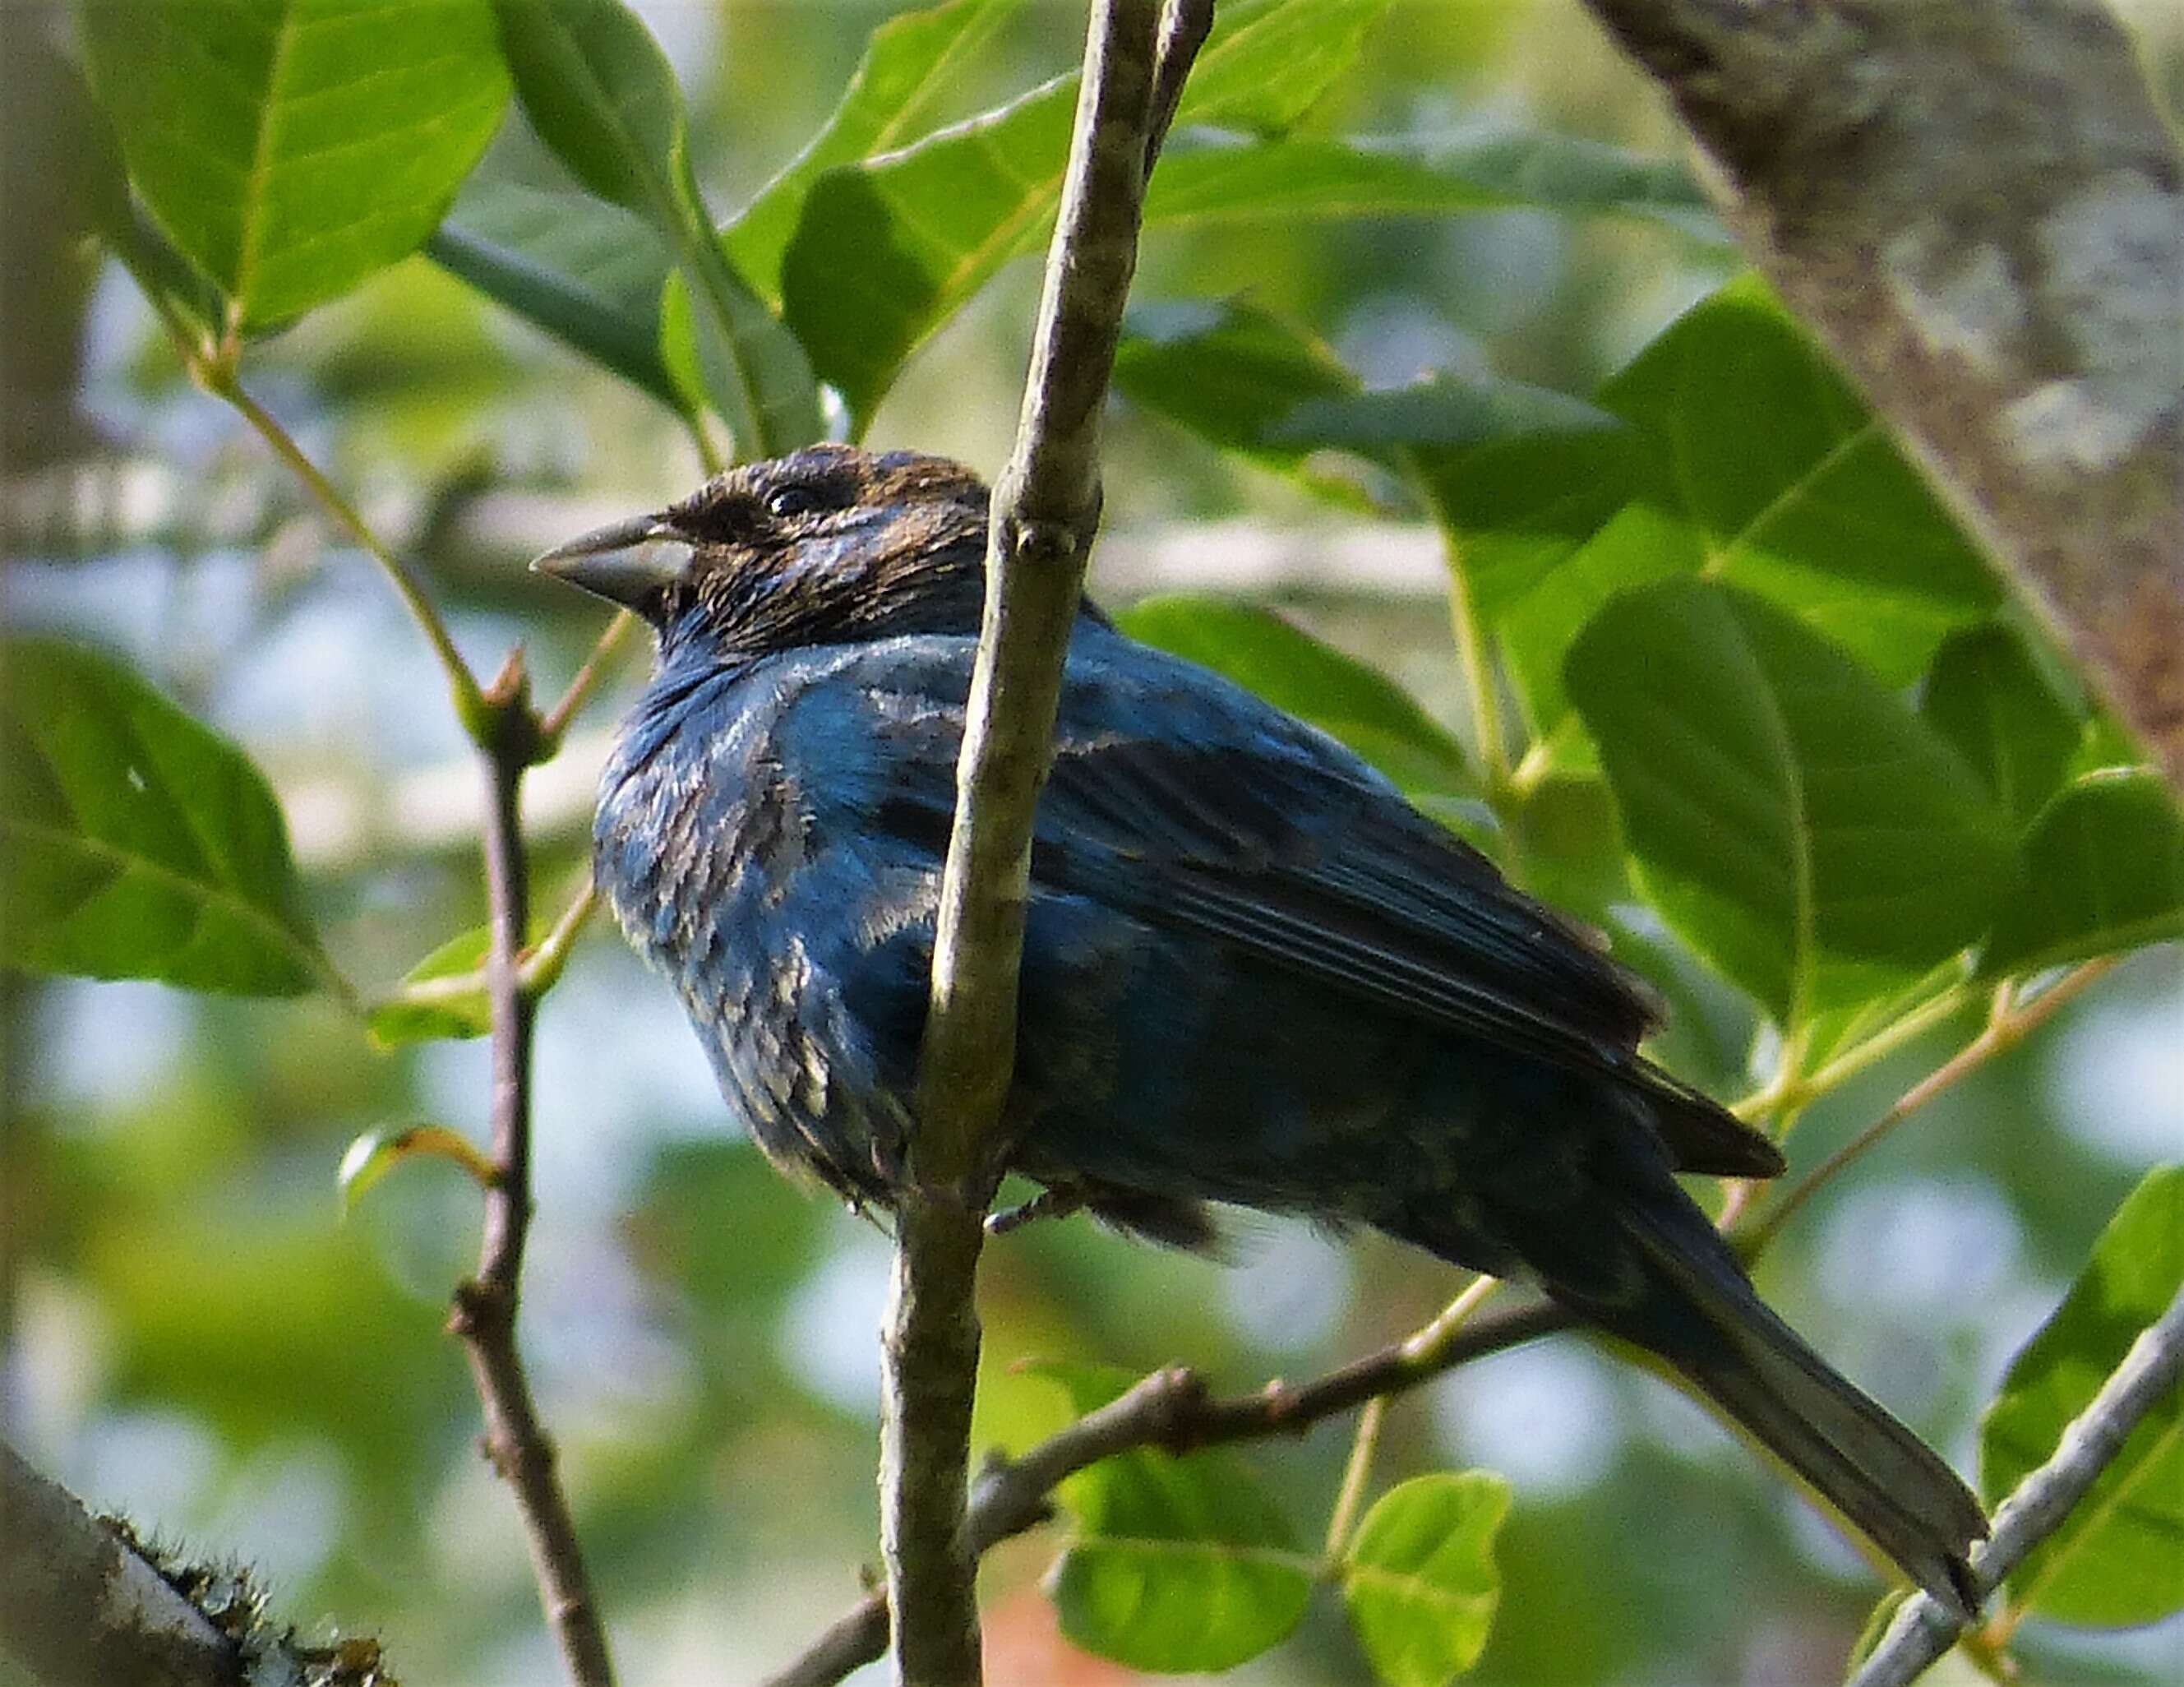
(1252, 973)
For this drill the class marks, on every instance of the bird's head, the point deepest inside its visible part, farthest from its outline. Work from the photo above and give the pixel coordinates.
(828, 545)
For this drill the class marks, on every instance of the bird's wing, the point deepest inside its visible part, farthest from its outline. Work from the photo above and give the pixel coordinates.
(1191, 805)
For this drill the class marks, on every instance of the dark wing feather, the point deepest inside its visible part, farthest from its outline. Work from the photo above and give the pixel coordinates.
(1191, 805)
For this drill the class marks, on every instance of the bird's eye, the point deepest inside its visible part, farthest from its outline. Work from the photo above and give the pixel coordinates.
(785, 502)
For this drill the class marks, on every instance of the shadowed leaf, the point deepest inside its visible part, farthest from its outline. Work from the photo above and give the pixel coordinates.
(135, 843)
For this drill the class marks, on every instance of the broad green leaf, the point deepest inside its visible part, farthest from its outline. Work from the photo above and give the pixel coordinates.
(1249, 383)
(1419, 1580)
(1174, 1564)
(371, 1156)
(601, 94)
(1267, 62)
(135, 843)
(291, 148)
(909, 63)
(1792, 488)
(1789, 815)
(2115, 1560)
(1750, 461)
(1215, 178)
(584, 271)
(1342, 696)
(1986, 696)
(2103, 873)
(886, 251)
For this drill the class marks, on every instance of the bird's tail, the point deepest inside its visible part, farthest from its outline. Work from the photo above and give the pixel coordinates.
(1699, 1311)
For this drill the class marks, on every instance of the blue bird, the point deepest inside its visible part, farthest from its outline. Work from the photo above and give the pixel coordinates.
(1252, 974)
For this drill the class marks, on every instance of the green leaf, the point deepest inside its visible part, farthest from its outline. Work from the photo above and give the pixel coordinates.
(601, 95)
(135, 843)
(1267, 62)
(1435, 413)
(2103, 873)
(1230, 373)
(1249, 383)
(1986, 697)
(1419, 1580)
(909, 61)
(1213, 179)
(174, 285)
(886, 251)
(2114, 1560)
(1750, 461)
(291, 148)
(1175, 1564)
(443, 995)
(1344, 697)
(582, 270)
(1789, 815)
(371, 1156)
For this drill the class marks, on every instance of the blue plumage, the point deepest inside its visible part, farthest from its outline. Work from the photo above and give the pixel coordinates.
(1252, 974)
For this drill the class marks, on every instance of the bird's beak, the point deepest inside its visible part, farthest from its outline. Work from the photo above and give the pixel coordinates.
(627, 563)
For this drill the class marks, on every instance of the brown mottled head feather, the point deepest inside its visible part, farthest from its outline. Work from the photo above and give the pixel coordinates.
(831, 545)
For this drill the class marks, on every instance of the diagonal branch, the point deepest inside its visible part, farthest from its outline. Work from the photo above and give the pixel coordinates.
(1922, 1631)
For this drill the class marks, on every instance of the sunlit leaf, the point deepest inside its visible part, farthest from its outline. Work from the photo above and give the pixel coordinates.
(1174, 1564)
(887, 251)
(371, 1156)
(2103, 873)
(183, 292)
(290, 148)
(1789, 815)
(2114, 1559)
(1419, 1580)
(1289, 668)
(442, 996)
(582, 269)
(134, 842)
(1750, 460)
(909, 63)
(601, 94)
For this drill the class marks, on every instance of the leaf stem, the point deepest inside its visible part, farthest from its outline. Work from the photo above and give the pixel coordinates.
(589, 677)
(1356, 1474)
(2006, 1026)
(218, 377)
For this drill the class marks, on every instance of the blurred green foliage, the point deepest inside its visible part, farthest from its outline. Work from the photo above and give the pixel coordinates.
(1757, 675)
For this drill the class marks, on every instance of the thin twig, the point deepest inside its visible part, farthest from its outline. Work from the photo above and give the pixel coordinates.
(1922, 1632)
(2006, 1027)
(1045, 512)
(484, 1313)
(589, 677)
(501, 721)
(1356, 1474)
(220, 380)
